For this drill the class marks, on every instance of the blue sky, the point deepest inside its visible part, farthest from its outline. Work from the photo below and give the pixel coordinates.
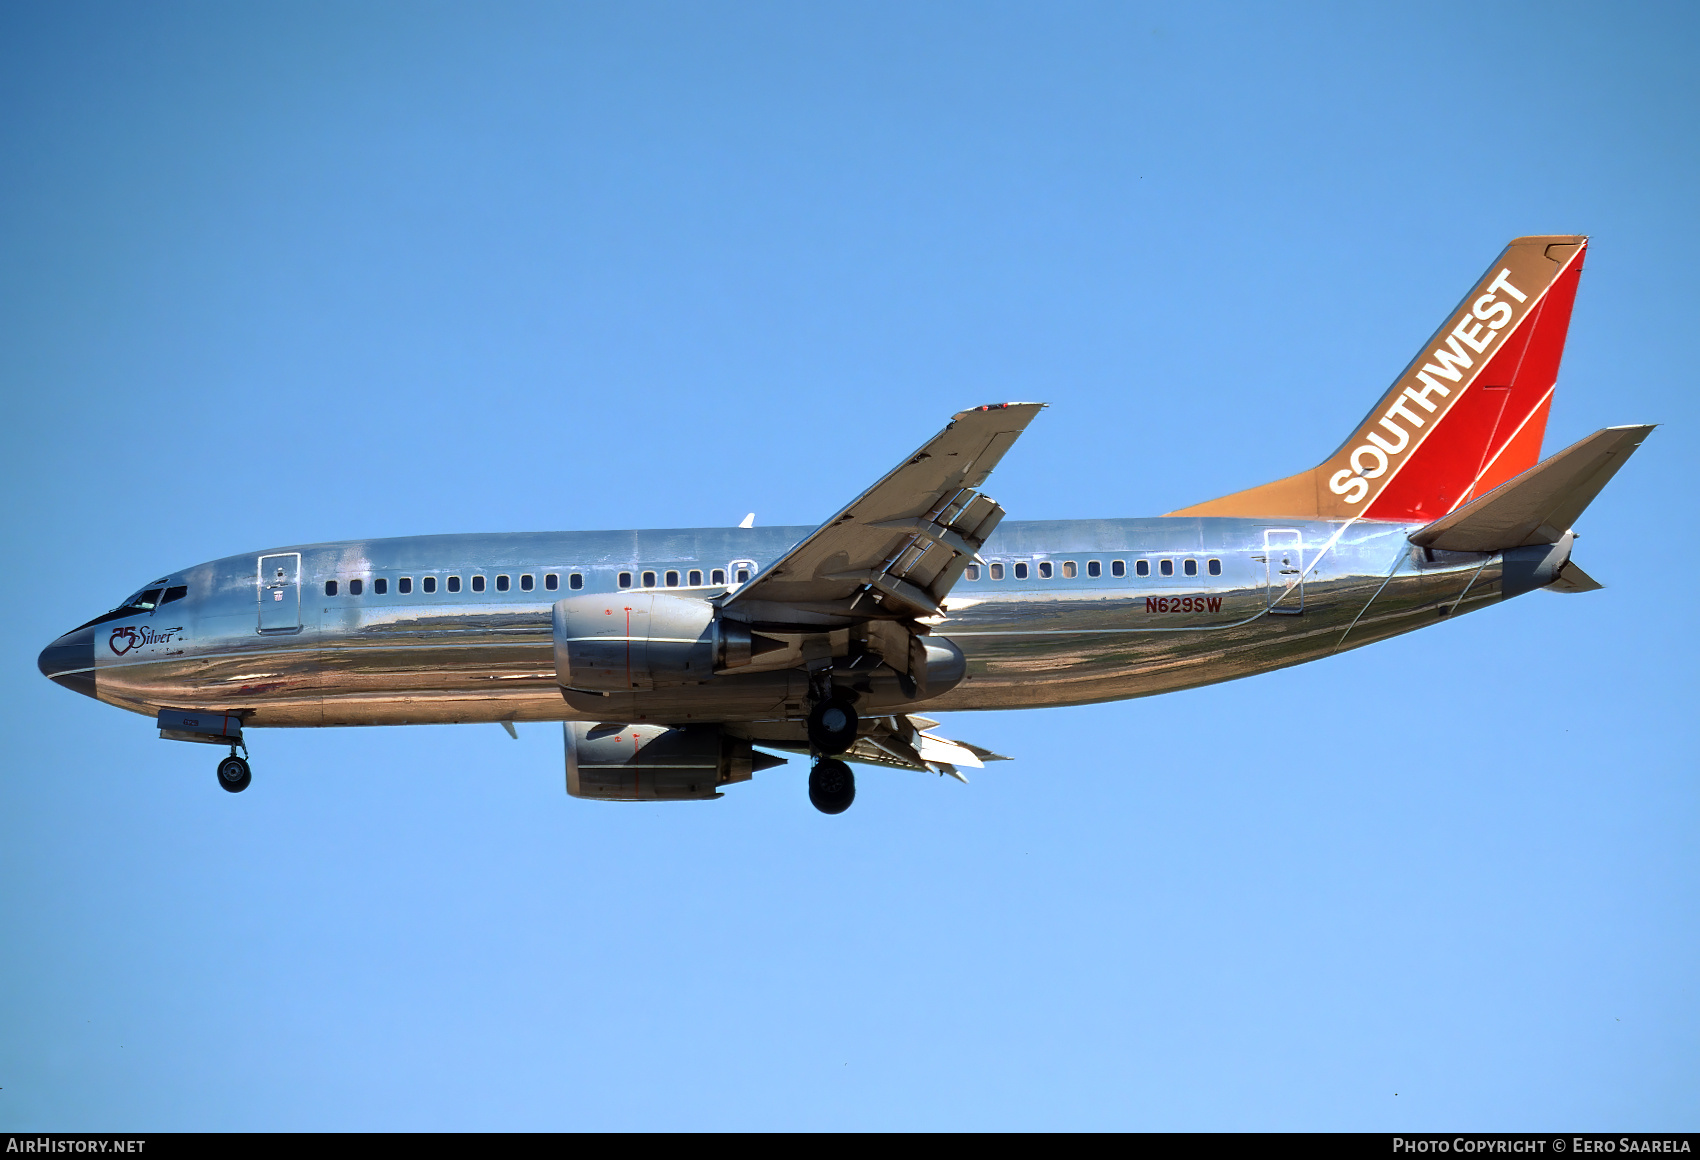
(284, 273)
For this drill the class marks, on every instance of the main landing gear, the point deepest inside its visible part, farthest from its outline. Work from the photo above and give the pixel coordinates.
(832, 730)
(233, 772)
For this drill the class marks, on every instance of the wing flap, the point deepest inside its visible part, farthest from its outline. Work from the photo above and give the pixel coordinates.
(907, 742)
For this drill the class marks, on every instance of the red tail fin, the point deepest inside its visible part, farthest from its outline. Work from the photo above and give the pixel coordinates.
(1467, 414)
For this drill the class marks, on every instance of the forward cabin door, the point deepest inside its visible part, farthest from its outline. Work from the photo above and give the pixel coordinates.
(1283, 554)
(280, 592)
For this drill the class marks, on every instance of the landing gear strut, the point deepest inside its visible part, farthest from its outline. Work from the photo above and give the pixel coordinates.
(832, 787)
(832, 729)
(233, 772)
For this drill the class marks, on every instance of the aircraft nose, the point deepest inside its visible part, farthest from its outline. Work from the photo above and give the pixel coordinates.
(69, 661)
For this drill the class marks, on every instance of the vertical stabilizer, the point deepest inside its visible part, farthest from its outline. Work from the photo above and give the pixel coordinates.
(1467, 414)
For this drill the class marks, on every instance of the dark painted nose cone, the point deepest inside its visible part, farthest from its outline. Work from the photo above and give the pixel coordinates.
(70, 661)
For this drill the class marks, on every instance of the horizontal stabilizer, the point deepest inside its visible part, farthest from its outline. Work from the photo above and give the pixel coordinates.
(1573, 579)
(1540, 505)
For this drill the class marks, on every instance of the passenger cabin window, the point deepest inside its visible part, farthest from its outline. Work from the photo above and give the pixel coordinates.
(625, 579)
(1069, 570)
(1190, 567)
(356, 587)
(552, 581)
(527, 582)
(996, 571)
(330, 588)
(404, 585)
(1143, 568)
(501, 584)
(672, 579)
(1021, 571)
(742, 570)
(1215, 567)
(717, 576)
(380, 587)
(1094, 569)
(1044, 569)
(176, 593)
(428, 584)
(1118, 568)
(574, 581)
(972, 572)
(478, 583)
(695, 578)
(649, 579)
(454, 583)
(1166, 567)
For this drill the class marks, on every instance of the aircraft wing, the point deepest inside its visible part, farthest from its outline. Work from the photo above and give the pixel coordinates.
(897, 549)
(908, 742)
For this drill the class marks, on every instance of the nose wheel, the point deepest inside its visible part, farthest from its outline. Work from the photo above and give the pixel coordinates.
(832, 787)
(234, 774)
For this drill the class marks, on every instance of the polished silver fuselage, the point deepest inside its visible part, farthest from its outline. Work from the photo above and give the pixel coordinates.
(1287, 592)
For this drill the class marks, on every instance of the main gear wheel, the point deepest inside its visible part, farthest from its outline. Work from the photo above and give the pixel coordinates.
(832, 726)
(832, 787)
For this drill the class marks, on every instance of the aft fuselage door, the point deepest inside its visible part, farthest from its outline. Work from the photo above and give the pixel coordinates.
(1283, 554)
(279, 581)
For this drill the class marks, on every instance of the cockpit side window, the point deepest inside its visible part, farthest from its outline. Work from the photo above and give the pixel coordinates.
(176, 592)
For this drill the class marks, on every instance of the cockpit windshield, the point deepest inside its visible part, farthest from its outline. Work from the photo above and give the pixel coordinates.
(146, 600)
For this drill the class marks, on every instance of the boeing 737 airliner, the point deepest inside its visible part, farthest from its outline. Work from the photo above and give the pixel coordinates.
(671, 655)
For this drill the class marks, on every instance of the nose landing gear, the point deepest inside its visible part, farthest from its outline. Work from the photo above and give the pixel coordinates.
(233, 772)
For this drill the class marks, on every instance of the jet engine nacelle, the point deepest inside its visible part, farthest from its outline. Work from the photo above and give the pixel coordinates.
(624, 762)
(634, 640)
